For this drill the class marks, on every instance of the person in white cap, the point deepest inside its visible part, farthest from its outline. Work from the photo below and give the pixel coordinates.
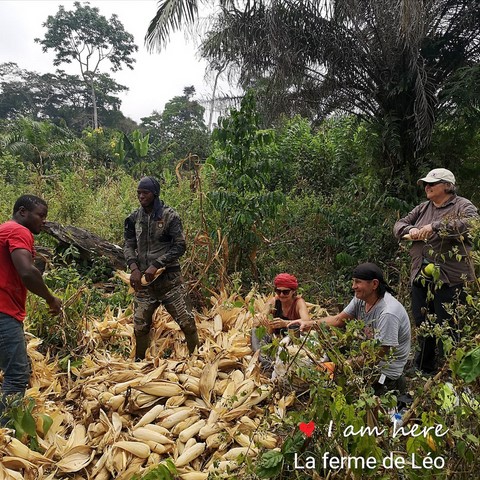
(438, 229)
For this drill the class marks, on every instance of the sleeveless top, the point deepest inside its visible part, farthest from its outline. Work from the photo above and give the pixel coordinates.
(291, 315)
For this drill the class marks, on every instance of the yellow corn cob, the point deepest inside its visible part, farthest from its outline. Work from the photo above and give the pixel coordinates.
(123, 386)
(158, 429)
(197, 403)
(171, 377)
(235, 452)
(144, 400)
(190, 454)
(247, 424)
(214, 416)
(195, 371)
(161, 389)
(190, 443)
(210, 429)
(143, 433)
(243, 392)
(139, 449)
(192, 385)
(235, 413)
(184, 424)
(258, 396)
(150, 416)
(158, 447)
(243, 440)
(237, 376)
(175, 418)
(175, 401)
(265, 440)
(179, 448)
(218, 441)
(191, 431)
(223, 466)
(228, 363)
(116, 402)
(104, 397)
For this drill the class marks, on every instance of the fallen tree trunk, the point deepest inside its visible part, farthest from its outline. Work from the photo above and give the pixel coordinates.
(90, 246)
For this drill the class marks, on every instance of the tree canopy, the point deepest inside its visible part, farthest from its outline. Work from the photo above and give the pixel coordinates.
(181, 126)
(383, 60)
(58, 96)
(88, 38)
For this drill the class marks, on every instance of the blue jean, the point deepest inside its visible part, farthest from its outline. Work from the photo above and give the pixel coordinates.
(13, 359)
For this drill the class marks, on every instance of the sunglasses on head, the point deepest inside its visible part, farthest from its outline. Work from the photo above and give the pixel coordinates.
(279, 291)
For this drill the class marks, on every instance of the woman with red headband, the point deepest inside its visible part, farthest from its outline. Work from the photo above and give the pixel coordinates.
(285, 306)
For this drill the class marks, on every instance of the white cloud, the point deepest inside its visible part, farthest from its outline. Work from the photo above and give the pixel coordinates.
(156, 78)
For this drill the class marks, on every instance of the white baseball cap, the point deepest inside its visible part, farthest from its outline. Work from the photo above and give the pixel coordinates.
(438, 175)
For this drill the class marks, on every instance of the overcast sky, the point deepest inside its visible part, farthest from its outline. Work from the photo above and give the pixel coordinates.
(156, 78)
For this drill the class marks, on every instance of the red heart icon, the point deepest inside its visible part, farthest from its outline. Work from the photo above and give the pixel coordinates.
(307, 428)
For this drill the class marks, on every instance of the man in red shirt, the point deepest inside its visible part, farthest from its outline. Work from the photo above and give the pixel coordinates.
(18, 274)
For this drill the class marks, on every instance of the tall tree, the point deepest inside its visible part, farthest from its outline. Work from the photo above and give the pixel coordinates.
(181, 126)
(88, 38)
(384, 60)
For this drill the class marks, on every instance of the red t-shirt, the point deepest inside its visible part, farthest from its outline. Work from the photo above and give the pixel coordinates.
(13, 293)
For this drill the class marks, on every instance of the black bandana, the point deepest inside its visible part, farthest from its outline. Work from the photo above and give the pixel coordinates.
(151, 184)
(370, 271)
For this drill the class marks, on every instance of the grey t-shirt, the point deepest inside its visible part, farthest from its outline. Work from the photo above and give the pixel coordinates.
(387, 322)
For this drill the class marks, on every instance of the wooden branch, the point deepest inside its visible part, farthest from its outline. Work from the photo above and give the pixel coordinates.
(89, 245)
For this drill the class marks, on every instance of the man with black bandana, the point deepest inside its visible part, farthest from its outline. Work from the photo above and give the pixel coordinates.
(385, 319)
(154, 240)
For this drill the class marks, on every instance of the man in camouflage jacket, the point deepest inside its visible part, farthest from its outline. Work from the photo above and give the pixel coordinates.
(154, 240)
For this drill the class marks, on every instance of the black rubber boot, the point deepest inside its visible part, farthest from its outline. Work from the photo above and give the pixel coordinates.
(192, 341)
(142, 341)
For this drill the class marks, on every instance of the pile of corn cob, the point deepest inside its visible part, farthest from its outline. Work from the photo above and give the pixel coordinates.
(113, 417)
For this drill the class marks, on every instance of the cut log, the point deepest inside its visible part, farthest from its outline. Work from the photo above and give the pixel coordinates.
(90, 246)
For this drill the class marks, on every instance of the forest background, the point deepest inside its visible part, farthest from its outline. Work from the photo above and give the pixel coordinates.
(346, 104)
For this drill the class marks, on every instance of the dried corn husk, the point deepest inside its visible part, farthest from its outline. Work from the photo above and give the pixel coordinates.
(197, 410)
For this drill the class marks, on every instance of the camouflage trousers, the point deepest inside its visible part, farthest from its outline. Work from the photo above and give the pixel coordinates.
(169, 291)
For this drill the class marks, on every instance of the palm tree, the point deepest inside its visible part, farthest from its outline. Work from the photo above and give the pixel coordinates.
(386, 61)
(42, 144)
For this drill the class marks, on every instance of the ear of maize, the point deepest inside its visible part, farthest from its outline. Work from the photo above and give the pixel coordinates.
(161, 389)
(191, 431)
(150, 416)
(184, 424)
(175, 418)
(190, 454)
(143, 433)
(139, 449)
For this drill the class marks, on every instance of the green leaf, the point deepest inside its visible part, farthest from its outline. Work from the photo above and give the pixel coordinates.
(469, 368)
(47, 422)
(28, 424)
(270, 464)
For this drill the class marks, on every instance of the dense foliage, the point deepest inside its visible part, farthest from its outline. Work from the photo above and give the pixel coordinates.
(284, 199)
(391, 63)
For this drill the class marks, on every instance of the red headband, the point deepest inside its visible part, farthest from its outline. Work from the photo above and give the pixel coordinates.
(286, 280)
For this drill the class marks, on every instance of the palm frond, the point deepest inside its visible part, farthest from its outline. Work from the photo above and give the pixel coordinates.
(170, 17)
